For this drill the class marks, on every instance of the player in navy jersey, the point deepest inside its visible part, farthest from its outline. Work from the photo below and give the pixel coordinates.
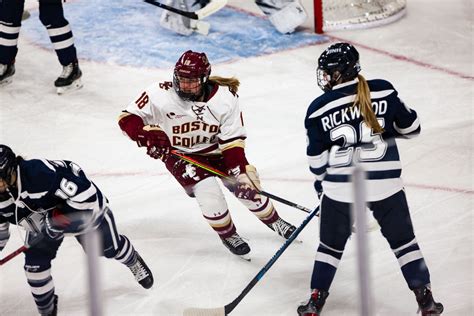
(357, 121)
(52, 17)
(51, 198)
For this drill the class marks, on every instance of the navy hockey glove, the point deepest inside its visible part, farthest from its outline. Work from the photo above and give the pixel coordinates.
(55, 223)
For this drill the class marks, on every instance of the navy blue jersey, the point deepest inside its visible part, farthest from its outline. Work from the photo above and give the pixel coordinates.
(338, 136)
(44, 185)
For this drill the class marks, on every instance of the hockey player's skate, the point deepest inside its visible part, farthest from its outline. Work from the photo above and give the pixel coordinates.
(283, 228)
(237, 246)
(315, 304)
(70, 78)
(142, 273)
(54, 312)
(426, 303)
(6, 73)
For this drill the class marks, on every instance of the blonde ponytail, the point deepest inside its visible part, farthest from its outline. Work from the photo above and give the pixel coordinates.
(233, 83)
(364, 103)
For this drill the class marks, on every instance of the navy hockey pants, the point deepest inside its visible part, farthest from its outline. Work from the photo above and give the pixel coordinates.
(393, 216)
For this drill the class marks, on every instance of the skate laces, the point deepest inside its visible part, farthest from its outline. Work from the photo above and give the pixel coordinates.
(281, 227)
(139, 271)
(235, 240)
(3, 69)
(67, 70)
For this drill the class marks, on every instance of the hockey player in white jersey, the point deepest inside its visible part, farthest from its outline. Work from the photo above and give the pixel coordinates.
(199, 116)
(285, 15)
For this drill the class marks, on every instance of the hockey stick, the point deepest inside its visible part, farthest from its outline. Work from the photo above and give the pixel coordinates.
(212, 7)
(31, 241)
(223, 175)
(371, 227)
(227, 309)
(13, 255)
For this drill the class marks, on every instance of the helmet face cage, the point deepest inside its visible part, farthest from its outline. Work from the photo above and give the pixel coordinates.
(7, 163)
(191, 65)
(338, 61)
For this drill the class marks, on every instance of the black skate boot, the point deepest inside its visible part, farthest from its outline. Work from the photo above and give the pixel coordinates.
(142, 273)
(426, 303)
(283, 228)
(70, 78)
(6, 73)
(237, 246)
(54, 312)
(314, 305)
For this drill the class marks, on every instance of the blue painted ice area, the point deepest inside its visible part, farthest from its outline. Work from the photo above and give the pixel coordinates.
(129, 33)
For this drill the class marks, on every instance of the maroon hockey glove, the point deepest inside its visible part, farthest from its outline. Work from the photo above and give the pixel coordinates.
(156, 141)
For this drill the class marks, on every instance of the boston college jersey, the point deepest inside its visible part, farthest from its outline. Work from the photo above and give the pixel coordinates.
(192, 127)
(338, 136)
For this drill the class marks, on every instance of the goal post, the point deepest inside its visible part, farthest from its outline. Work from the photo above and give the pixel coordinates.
(332, 15)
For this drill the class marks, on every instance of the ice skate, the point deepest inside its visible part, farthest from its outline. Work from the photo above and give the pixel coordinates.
(426, 303)
(315, 304)
(142, 273)
(237, 246)
(70, 79)
(283, 228)
(6, 74)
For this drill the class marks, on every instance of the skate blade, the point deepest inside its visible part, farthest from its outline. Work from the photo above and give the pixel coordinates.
(75, 85)
(245, 257)
(6, 82)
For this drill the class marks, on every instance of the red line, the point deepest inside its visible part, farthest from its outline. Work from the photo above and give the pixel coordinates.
(127, 174)
(404, 58)
(439, 188)
(149, 173)
(413, 185)
(379, 51)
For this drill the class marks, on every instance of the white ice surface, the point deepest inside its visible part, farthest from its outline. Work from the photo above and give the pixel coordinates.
(191, 266)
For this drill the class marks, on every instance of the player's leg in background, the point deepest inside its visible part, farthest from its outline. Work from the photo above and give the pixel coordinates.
(175, 22)
(38, 273)
(119, 247)
(393, 216)
(10, 23)
(60, 33)
(285, 15)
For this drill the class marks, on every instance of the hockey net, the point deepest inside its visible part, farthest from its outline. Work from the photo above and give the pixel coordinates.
(331, 15)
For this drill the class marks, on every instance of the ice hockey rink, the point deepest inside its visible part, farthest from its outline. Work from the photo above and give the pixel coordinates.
(427, 55)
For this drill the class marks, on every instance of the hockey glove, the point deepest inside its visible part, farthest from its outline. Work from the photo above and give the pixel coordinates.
(248, 184)
(55, 223)
(156, 141)
(245, 190)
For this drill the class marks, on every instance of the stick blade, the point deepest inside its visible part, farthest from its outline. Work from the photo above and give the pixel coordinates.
(194, 311)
